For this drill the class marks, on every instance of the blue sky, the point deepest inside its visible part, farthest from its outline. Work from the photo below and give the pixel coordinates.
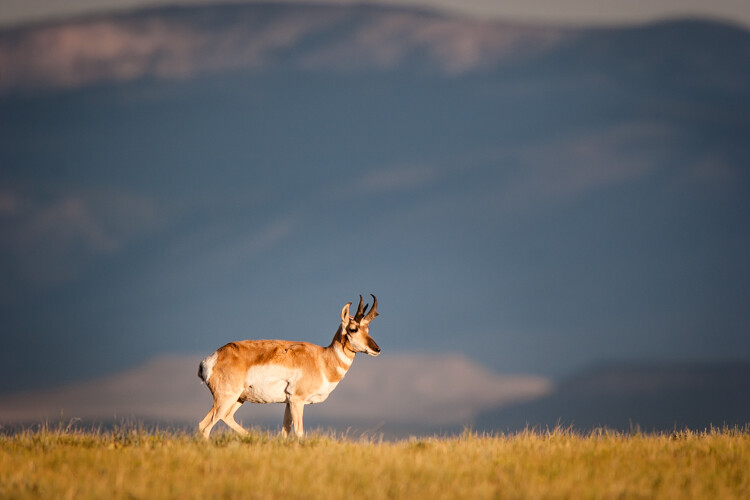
(576, 205)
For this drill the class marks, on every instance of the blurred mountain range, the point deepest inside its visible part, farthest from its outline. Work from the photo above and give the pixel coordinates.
(533, 198)
(407, 394)
(395, 395)
(184, 42)
(630, 397)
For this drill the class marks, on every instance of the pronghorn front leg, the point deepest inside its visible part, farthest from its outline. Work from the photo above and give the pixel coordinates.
(297, 407)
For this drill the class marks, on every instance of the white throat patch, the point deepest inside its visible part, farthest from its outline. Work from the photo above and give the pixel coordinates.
(342, 357)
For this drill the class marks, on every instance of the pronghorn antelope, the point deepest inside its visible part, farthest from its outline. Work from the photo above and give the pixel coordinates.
(280, 371)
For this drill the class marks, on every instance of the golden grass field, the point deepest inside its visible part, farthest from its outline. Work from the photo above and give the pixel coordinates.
(137, 463)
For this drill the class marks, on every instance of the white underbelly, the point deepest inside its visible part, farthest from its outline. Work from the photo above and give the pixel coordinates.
(269, 384)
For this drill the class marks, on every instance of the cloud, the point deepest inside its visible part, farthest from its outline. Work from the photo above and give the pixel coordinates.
(439, 390)
(397, 389)
(398, 178)
(535, 176)
(574, 166)
(246, 246)
(710, 173)
(50, 238)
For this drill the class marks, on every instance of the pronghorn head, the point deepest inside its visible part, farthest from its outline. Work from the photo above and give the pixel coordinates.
(355, 331)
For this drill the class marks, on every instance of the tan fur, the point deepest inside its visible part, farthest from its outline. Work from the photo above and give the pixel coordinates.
(281, 371)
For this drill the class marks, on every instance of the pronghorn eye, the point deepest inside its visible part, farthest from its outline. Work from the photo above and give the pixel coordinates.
(352, 330)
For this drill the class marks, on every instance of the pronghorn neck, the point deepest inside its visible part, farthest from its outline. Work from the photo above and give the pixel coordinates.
(340, 354)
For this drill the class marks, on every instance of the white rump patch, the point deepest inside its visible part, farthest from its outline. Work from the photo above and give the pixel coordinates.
(208, 366)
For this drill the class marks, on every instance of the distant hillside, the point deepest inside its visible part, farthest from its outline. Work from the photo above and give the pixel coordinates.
(649, 397)
(184, 42)
(392, 394)
(189, 41)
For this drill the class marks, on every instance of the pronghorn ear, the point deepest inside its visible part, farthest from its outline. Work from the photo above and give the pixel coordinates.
(345, 313)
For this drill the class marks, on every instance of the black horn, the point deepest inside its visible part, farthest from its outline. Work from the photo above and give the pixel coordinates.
(360, 310)
(373, 312)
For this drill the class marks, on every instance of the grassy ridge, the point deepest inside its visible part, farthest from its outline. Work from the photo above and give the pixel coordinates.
(135, 463)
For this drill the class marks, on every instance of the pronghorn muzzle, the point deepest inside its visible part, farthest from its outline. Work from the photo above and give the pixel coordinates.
(373, 349)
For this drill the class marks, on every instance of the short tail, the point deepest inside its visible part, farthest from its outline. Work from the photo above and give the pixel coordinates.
(206, 367)
(201, 371)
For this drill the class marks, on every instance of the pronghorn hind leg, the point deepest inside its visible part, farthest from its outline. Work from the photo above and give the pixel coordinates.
(222, 410)
(203, 423)
(208, 423)
(231, 422)
(287, 421)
